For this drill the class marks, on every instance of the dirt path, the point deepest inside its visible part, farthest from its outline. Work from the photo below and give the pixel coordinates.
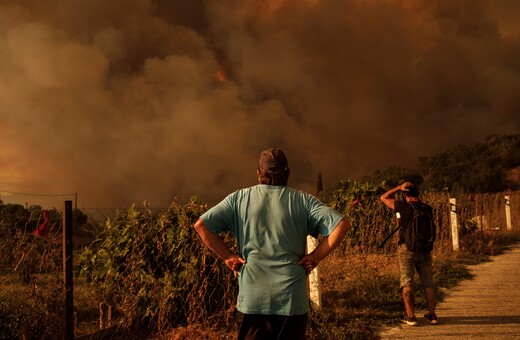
(485, 307)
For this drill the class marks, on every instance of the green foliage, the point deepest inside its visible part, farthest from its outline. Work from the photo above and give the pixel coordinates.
(153, 269)
(393, 176)
(370, 221)
(477, 169)
(14, 216)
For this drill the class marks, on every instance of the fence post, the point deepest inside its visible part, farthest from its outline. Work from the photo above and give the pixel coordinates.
(454, 225)
(314, 276)
(68, 270)
(479, 212)
(508, 213)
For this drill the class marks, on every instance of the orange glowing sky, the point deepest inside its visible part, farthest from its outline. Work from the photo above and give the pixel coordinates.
(125, 101)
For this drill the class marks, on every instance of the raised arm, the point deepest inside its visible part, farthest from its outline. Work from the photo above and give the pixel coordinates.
(388, 197)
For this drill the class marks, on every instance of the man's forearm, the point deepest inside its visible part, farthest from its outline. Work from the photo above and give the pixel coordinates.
(212, 241)
(388, 197)
(391, 193)
(332, 241)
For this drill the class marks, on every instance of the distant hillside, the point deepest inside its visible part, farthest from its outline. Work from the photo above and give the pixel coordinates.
(490, 166)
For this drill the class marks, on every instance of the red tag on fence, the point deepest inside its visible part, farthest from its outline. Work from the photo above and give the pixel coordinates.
(41, 231)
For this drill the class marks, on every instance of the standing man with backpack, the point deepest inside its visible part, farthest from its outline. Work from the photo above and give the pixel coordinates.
(416, 237)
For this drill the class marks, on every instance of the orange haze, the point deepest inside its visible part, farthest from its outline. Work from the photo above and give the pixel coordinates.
(125, 101)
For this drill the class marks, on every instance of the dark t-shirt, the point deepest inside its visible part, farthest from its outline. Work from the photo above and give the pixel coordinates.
(405, 210)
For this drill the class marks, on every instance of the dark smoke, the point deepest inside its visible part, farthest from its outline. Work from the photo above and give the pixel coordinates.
(125, 101)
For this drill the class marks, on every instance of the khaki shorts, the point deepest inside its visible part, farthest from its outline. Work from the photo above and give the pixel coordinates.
(409, 262)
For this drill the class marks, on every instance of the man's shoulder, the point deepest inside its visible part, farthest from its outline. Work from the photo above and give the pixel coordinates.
(422, 204)
(246, 190)
(303, 195)
(400, 205)
(262, 189)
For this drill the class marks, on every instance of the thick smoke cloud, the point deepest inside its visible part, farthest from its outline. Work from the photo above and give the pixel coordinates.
(125, 101)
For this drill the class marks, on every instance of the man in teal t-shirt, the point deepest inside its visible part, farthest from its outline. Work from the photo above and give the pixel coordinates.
(271, 222)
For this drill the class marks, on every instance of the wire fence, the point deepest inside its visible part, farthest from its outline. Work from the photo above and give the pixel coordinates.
(143, 268)
(30, 278)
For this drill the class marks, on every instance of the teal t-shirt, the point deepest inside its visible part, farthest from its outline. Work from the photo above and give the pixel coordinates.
(271, 224)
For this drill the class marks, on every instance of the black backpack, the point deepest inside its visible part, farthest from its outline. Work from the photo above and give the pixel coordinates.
(420, 233)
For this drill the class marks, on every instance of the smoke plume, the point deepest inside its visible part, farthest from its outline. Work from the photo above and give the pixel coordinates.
(123, 101)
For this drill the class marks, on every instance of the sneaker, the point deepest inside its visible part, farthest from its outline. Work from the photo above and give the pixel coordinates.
(410, 321)
(432, 318)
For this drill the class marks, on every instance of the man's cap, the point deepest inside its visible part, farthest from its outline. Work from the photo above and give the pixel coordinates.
(273, 162)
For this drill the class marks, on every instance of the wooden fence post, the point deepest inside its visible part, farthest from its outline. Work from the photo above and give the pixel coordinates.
(314, 276)
(454, 225)
(479, 212)
(68, 270)
(508, 213)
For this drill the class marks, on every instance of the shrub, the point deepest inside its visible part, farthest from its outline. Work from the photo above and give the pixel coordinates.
(154, 271)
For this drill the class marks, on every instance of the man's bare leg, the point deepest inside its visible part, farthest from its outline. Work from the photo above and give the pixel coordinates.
(431, 299)
(409, 301)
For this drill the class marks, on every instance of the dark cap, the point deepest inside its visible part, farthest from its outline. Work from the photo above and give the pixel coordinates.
(273, 162)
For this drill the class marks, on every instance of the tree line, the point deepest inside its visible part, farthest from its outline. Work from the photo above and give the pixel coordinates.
(486, 167)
